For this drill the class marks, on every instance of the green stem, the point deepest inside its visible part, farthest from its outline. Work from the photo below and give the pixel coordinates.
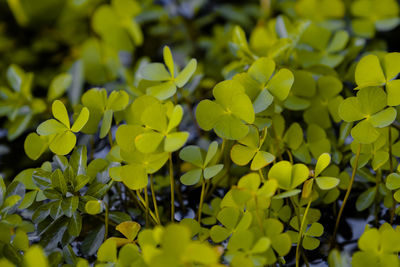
(172, 182)
(223, 145)
(261, 174)
(146, 200)
(201, 199)
(110, 139)
(353, 175)
(153, 195)
(393, 208)
(378, 177)
(290, 155)
(143, 205)
(217, 179)
(390, 150)
(300, 238)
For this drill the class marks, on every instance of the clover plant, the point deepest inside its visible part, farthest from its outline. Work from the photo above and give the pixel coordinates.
(199, 133)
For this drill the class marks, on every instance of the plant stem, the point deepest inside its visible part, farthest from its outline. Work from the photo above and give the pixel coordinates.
(153, 195)
(110, 139)
(201, 199)
(223, 145)
(172, 182)
(300, 238)
(261, 174)
(143, 204)
(393, 208)
(353, 175)
(378, 177)
(146, 200)
(220, 176)
(290, 155)
(390, 150)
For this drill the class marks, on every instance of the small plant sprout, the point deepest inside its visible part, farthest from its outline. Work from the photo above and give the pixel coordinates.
(203, 170)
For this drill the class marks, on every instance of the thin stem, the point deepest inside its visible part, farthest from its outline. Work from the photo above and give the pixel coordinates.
(261, 174)
(146, 200)
(201, 199)
(290, 155)
(222, 150)
(143, 205)
(393, 208)
(110, 138)
(305, 259)
(353, 175)
(217, 179)
(106, 221)
(172, 182)
(207, 188)
(300, 238)
(153, 195)
(378, 181)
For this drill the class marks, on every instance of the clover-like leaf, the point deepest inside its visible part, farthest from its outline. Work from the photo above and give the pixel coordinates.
(262, 85)
(35, 145)
(368, 106)
(370, 16)
(195, 156)
(288, 176)
(370, 71)
(379, 247)
(62, 139)
(248, 149)
(229, 112)
(167, 80)
(322, 47)
(159, 128)
(324, 105)
(102, 108)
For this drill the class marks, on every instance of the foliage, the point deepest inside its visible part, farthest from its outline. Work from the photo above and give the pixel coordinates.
(199, 133)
